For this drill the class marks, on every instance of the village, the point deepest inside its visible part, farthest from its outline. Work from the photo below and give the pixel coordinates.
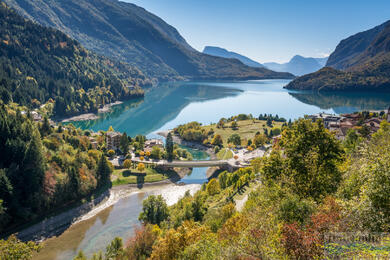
(365, 122)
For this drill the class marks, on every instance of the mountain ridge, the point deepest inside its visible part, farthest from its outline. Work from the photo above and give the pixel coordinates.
(129, 33)
(39, 64)
(221, 52)
(298, 65)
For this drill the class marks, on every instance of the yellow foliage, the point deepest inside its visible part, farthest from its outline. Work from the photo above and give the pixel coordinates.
(141, 167)
(175, 241)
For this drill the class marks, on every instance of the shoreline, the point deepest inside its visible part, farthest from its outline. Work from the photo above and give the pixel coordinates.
(91, 116)
(55, 225)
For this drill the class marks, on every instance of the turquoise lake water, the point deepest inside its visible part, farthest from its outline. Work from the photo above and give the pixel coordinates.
(171, 104)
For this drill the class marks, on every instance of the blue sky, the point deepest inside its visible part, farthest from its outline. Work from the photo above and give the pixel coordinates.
(269, 30)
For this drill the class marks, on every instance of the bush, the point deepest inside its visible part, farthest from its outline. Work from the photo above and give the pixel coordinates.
(111, 153)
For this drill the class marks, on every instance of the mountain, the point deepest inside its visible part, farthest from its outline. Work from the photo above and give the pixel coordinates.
(360, 62)
(298, 65)
(38, 64)
(220, 52)
(322, 61)
(129, 33)
(349, 51)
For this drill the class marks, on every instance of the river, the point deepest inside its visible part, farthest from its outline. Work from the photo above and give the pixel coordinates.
(171, 104)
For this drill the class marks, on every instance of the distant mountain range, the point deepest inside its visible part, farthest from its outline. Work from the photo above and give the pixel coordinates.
(298, 65)
(129, 33)
(360, 62)
(220, 52)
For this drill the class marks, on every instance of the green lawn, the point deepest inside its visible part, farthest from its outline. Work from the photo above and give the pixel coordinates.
(133, 176)
(225, 154)
(247, 129)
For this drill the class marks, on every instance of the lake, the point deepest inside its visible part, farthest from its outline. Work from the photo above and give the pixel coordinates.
(171, 104)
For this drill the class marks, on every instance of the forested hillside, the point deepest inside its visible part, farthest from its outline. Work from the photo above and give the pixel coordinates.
(129, 33)
(42, 168)
(38, 64)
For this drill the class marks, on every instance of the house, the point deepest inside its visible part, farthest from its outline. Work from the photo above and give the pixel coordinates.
(149, 144)
(373, 124)
(388, 115)
(36, 116)
(326, 118)
(93, 142)
(113, 140)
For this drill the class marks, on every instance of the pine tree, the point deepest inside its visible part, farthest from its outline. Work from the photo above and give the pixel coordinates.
(74, 182)
(124, 144)
(169, 146)
(45, 128)
(103, 171)
(33, 169)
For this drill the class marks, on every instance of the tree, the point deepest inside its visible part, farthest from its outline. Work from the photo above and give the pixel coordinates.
(156, 153)
(124, 144)
(259, 140)
(269, 122)
(221, 123)
(311, 155)
(33, 168)
(212, 187)
(127, 163)
(140, 246)
(13, 248)
(103, 171)
(217, 140)
(74, 182)
(115, 249)
(141, 167)
(235, 139)
(45, 127)
(111, 153)
(234, 125)
(154, 210)
(169, 146)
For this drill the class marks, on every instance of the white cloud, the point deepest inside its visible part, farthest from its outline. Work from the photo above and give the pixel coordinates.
(323, 54)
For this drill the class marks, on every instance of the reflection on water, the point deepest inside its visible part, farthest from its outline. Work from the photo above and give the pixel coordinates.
(160, 105)
(170, 104)
(345, 102)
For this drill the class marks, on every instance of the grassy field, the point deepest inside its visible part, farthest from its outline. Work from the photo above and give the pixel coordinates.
(246, 129)
(133, 176)
(225, 154)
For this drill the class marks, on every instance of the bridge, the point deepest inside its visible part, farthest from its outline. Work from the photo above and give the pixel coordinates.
(196, 164)
(224, 164)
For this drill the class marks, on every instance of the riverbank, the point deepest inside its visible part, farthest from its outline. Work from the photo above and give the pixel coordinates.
(55, 225)
(91, 116)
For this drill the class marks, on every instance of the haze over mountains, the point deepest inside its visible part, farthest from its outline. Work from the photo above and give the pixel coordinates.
(220, 52)
(298, 65)
(129, 33)
(360, 62)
